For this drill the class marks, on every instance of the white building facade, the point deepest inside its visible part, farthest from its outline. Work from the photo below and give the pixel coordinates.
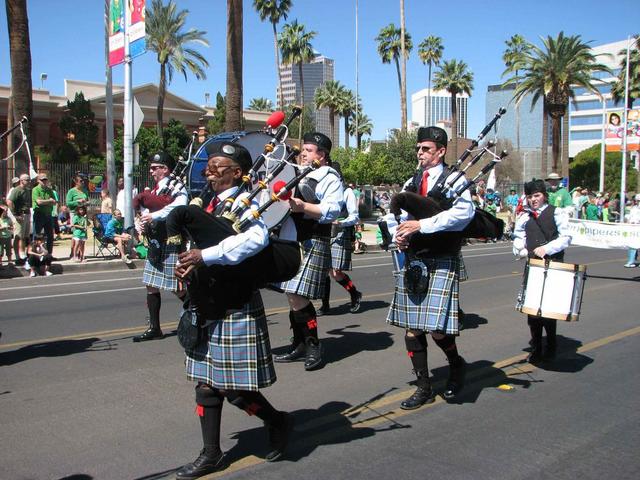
(440, 112)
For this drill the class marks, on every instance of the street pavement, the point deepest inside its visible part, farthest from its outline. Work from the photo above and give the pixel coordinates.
(79, 400)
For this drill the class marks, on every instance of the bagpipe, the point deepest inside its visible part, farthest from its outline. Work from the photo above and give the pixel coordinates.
(444, 195)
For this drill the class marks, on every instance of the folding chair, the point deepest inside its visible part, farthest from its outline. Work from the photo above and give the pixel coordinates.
(102, 246)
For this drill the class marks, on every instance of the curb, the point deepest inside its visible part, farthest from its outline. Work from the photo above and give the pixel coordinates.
(62, 268)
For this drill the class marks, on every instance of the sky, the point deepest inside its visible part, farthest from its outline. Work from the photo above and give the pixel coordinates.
(67, 42)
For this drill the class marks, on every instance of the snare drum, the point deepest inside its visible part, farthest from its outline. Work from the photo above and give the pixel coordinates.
(552, 289)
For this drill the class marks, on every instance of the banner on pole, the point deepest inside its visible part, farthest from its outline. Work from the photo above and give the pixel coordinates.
(589, 233)
(136, 28)
(615, 130)
(116, 32)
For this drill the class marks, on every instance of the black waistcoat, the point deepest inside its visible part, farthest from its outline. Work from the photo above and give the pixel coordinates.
(541, 232)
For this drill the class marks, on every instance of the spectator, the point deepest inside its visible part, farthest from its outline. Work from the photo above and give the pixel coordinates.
(39, 258)
(20, 204)
(591, 209)
(359, 246)
(120, 196)
(491, 208)
(634, 217)
(115, 231)
(54, 213)
(78, 195)
(43, 202)
(107, 204)
(80, 224)
(64, 219)
(6, 234)
(512, 203)
(583, 201)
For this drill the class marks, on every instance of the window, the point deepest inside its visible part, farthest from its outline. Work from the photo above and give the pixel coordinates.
(586, 135)
(587, 120)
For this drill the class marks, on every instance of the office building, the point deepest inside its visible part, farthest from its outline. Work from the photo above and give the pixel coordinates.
(440, 111)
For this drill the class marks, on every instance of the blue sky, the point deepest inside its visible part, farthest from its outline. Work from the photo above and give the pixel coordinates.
(67, 42)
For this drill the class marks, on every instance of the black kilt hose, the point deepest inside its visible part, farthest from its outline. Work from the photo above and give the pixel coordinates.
(309, 282)
(341, 248)
(236, 353)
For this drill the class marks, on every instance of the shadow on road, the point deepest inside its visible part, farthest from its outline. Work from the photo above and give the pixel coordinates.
(365, 306)
(471, 321)
(352, 342)
(50, 349)
(77, 476)
(568, 360)
(605, 277)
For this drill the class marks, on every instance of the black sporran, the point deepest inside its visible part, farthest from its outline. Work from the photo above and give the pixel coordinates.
(416, 277)
(190, 334)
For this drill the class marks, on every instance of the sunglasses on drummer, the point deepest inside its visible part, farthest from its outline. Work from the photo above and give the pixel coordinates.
(215, 169)
(424, 148)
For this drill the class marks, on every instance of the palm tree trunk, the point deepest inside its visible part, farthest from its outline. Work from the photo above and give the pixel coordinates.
(555, 141)
(400, 87)
(346, 131)
(403, 79)
(359, 142)
(544, 149)
(301, 117)
(517, 119)
(233, 120)
(454, 124)
(275, 44)
(565, 146)
(428, 119)
(20, 55)
(162, 91)
(332, 119)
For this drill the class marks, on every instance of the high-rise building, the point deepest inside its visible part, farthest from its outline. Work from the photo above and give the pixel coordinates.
(440, 111)
(315, 74)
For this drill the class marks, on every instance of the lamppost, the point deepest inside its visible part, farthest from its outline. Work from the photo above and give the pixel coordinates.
(43, 78)
(524, 167)
(602, 147)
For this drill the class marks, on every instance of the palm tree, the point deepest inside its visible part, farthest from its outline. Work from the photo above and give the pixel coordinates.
(167, 38)
(261, 104)
(389, 49)
(513, 58)
(346, 111)
(430, 52)
(330, 95)
(617, 90)
(274, 10)
(454, 77)
(404, 54)
(21, 101)
(365, 127)
(553, 72)
(233, 120)
(295, 46)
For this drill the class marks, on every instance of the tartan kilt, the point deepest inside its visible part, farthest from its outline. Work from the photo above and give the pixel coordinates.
(435, 310)
(341, 248)
(463, 274)
(161, 274)
(309, 282)
(236, 355)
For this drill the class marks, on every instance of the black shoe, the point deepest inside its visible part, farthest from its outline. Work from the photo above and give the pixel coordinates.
(421, 396)
(535, 357)
(149, 334)
(323, 310)
(355, 302)
(456, 379)
(313, 358)
(279, 437)
(294, 354)
(201, 466)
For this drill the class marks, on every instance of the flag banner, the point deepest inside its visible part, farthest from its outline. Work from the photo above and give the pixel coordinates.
(615, 130)
(136, 28)
(589, 233)
(116, 32)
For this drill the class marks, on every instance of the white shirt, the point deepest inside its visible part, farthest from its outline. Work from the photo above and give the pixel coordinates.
(351, 203)
(180, 199)
(329, 192)
(561, 219)
(120, 198)
(236, 248)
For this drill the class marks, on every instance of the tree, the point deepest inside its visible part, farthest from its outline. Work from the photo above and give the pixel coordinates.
(430, 53)
(455, 78)
(365, 127)
(274, 10)
(233, 120)
(295, 46)
(176, 138)
(389, 49)
(347, 110)
(20, 55)
(404, 54)
(585, 170)
(261, 104)
(216, 124)
(634, 74)
(166, 37)
(330, 95)
(78, 126)
(513, 58)
(552, 73)
(308, 121)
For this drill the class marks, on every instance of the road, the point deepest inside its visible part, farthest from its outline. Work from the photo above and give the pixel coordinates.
(79, 400)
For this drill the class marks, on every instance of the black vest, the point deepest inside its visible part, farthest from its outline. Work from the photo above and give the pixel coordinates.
(541, 231)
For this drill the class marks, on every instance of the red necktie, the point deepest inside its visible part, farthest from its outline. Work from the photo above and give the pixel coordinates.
(425, 184)
(212, 205)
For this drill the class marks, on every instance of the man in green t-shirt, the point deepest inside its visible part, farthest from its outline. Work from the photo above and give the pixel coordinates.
(558, 195)
(19, 202)
(43, 201)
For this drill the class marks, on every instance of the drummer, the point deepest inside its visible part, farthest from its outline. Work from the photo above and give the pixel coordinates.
(541, 231)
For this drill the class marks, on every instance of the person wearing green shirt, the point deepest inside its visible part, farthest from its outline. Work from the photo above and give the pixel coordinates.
(78, 195)
(591, 210)
(558, 195)
(43, 201)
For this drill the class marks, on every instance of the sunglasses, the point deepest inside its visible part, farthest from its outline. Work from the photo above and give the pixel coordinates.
(155, 167)
(423, 148)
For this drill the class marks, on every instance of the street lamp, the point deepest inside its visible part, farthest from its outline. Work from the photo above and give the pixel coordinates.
(43, 78)
(524, 167)
(602, 147)
(207, 96)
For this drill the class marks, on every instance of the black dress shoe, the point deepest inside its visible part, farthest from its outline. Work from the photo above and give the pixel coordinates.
(421, 396)
(293, 355)
(456, 379)
(201, 466)
(313, 358)
(279, 437)
(323, 310)
(149, 334)
(355, 302)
